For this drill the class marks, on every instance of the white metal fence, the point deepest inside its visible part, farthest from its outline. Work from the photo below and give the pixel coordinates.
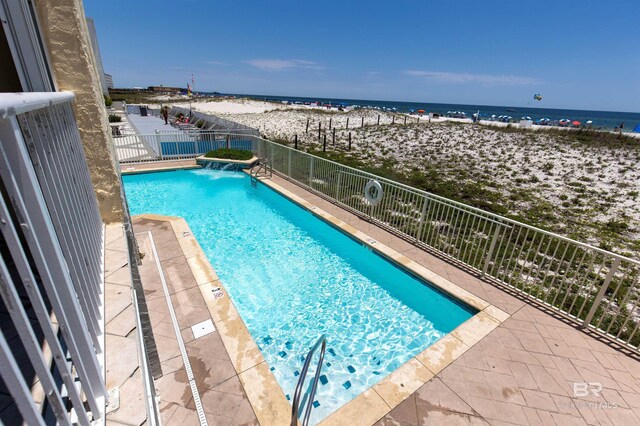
(211, 122)
(52, 262)
(598, 288)
(594, 287)
(175, 145)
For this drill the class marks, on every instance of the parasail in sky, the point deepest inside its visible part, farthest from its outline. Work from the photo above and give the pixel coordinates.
(537, 97)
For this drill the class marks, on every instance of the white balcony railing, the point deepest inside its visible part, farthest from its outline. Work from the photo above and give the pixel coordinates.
(51, 270)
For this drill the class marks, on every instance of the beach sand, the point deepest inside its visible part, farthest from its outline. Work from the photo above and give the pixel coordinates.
(581, 190)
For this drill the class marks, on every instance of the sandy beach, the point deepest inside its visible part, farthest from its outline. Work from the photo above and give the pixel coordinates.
(588, 191)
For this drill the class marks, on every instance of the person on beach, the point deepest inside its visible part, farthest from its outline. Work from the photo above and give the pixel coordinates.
(164, 111)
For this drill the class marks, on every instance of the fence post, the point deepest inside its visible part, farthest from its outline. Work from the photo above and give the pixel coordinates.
(296, 141)
(289, 165)
(378, 119)
(603, 289)
(393, 119)
(347, 123)
(324, 144)
(349, 141)
(310, 171)
(487, 261)
(319, 130)
(307, 129)
(422, 216)
(362, 125)
(405, 120)
(330, 122)
(338, 187)
(334, 136)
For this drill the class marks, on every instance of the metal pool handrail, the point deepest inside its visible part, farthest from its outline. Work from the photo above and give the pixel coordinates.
(322, 341)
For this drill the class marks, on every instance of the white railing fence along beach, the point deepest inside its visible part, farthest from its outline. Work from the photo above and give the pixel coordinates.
(594, 287)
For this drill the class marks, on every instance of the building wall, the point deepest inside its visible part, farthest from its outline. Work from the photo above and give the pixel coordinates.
(64, 28)
(93, 35)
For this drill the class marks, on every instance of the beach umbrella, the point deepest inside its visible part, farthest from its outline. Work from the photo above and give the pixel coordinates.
(576, 123)
(420, 111)
(636, 129)
(589, 122)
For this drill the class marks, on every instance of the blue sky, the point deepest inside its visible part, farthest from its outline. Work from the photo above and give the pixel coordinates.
(577, 54)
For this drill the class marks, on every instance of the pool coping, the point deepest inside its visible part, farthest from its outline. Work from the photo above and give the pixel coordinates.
(248, 162)
(158, 169)
(263, 391)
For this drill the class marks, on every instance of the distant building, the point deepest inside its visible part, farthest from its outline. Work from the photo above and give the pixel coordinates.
(96, 53)
(109, 79)
(167, 90)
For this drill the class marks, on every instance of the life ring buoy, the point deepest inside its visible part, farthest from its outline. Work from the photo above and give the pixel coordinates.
(373, 192)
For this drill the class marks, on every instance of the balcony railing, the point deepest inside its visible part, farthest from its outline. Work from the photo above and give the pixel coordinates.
(51, 270)
(594, 287)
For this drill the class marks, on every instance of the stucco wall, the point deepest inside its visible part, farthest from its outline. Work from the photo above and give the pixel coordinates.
(65, 30)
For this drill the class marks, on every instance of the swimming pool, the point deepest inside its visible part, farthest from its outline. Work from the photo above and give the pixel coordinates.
(293, 277)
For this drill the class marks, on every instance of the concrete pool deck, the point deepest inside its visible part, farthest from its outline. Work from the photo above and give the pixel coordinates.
(522, 371)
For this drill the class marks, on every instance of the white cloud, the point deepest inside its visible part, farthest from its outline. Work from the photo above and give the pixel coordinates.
(216, 63)
(486, 79)
(281, 64)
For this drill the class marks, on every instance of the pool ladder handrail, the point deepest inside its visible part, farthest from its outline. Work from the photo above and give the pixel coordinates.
(322, 342)
(262, 164)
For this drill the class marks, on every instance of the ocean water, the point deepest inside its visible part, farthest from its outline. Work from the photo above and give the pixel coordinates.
(601, 119)
(293, 278)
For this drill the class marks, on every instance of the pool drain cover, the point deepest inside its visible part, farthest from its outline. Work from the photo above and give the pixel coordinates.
(202, 328)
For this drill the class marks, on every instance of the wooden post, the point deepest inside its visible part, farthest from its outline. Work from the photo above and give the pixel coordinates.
(319, 130)
(334, 136)
(324, 145)
(362, 126)
(307, 129)
(349, 141)
(393, 120)
(330, 121)
(378, 119)
(296, 141)
(347, 123)
(405, 120)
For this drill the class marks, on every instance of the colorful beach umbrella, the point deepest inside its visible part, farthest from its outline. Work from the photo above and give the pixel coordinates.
(636, 129)
(576, 123)
(420, 111)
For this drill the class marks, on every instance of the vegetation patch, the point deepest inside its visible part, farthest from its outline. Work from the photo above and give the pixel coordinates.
(230, 154)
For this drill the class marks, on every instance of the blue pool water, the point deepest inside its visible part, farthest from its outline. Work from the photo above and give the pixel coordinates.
(293, 277)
